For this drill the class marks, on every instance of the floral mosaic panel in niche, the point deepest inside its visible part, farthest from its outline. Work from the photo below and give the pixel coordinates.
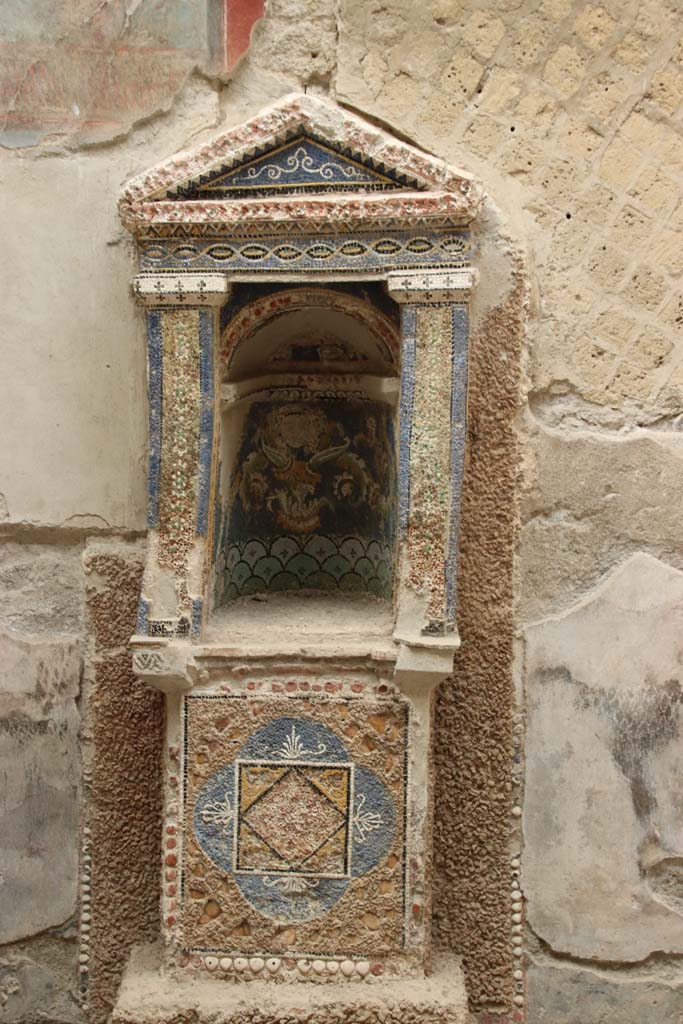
(312, 502)
(294, 825)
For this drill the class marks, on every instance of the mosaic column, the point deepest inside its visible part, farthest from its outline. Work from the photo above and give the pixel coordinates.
(433, 411)
(182, 325)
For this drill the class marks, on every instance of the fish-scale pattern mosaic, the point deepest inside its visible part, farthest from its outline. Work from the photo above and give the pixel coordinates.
(321, 563)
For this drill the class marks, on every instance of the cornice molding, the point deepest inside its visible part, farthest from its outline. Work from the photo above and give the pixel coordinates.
(432, 285)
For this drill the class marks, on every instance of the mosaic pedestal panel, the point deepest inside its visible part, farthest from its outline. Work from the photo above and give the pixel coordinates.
(294, 826)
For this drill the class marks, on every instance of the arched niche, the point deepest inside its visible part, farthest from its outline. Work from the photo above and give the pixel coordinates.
(309, 415)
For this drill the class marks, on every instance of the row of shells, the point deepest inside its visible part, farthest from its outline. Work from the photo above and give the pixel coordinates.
(85, 911)
(271, 965)
(516, 894)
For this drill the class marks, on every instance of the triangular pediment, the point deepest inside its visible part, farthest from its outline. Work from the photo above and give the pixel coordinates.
(303, 164)
(303, 147)
(301, 142)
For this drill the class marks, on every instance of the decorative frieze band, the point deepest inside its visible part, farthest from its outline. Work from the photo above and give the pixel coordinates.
(331, 251)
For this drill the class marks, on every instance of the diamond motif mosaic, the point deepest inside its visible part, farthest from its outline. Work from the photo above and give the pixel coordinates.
(314, 800)
(295, 824)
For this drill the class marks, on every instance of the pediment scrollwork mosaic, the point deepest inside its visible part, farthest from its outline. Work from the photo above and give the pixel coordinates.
(300, 162)
(303, 164)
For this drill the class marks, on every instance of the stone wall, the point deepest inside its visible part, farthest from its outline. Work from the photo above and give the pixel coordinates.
(41, 626)
(569, 112)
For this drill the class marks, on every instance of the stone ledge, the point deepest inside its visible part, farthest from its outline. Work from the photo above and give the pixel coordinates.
(148, 996)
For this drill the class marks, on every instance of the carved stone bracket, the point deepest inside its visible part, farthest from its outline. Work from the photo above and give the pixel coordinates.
(162, 665)
(181, 289)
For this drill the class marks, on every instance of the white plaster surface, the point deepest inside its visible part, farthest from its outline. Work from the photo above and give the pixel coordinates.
(73, 410)
(602, 822)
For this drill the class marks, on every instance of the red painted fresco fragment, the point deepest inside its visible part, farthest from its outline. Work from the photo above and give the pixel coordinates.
(240, 18)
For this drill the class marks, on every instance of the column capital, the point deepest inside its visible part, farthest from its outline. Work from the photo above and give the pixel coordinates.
(432, 285)
(181, 289)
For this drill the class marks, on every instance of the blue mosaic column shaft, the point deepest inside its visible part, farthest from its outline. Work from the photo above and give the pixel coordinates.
(434, 372)
(154, 395)
(163, 370)
(408, 333)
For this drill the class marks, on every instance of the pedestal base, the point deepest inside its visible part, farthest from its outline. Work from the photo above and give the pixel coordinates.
(149, 996)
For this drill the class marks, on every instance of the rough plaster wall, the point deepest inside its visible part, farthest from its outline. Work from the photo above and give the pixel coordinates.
(570, 113)
(474, 710)
(122, 758)
(80, 756)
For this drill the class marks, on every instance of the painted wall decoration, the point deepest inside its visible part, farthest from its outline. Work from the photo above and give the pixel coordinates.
(294, 827)
(312, 499)
(89, 72)
(315, 354)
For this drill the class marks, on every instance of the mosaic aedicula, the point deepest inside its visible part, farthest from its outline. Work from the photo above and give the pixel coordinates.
(301, 835)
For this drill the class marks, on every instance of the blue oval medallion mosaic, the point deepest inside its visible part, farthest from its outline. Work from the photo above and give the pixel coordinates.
(293, 819)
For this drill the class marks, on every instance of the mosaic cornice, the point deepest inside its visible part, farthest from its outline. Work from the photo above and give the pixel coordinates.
(181, 289)
(247, 217)
(432, 286)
